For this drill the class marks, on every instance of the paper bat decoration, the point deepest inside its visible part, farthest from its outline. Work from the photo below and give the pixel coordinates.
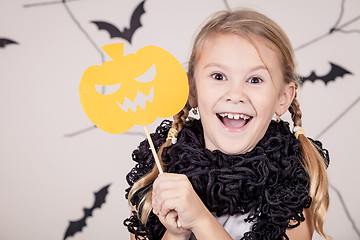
(5, 41)
(77, 226)
(128, 32)
(335, 71)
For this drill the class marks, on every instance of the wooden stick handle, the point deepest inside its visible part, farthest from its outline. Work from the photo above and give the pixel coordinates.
(153, 150)
(157, 161)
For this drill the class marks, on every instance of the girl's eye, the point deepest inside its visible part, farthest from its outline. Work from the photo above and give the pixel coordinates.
(255, 80)
(218, 76)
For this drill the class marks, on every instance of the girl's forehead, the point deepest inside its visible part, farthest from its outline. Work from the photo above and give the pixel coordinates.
(263, 46)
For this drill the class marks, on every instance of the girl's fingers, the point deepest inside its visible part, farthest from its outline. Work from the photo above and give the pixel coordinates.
(168, 186)
(169, 180)
(168, 205)
(170, 222)
(159, 199)
(174, 192)
(171, 217)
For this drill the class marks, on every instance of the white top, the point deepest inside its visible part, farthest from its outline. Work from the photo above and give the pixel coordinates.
(235, 225)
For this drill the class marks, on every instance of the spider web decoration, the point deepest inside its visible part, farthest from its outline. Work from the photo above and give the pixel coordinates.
(341, 26)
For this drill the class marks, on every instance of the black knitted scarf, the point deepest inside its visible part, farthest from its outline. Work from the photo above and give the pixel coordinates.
(269, 183)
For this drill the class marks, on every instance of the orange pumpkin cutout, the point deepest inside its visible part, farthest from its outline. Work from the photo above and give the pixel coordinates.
(137, 101)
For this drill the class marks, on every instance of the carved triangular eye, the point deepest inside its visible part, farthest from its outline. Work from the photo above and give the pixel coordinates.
(148, 76)
(107, 89)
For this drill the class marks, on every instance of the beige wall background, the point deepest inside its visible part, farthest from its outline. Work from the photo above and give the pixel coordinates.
(52, 159)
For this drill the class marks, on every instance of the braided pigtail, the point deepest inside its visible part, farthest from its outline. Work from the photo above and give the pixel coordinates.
(177, 126)
(145, 183)
(315, 166)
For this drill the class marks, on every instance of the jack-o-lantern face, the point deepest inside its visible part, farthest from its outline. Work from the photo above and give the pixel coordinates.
(140, 98)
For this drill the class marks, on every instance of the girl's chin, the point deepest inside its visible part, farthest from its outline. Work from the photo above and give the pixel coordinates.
(231, 143)
(230, 149)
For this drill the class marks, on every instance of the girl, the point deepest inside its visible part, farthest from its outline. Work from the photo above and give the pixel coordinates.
(234, 173)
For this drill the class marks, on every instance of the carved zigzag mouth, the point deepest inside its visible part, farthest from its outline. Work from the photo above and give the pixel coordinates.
(140, 100)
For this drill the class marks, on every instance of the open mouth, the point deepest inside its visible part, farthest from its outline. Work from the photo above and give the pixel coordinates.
(234, 121)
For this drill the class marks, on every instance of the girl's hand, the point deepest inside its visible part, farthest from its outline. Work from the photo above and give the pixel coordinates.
(173, 232)
(173, 198)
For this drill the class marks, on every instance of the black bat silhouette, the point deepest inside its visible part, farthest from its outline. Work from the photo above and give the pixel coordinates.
(77, 226)
(335, 71)
(5, 41)
(128, 32)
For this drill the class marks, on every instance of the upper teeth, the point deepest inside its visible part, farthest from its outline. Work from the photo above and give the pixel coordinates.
(234, 116)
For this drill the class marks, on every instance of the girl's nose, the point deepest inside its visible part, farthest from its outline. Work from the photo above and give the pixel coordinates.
(235, 94)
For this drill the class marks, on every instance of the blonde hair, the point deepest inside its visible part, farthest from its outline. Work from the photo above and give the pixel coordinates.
(247, 24)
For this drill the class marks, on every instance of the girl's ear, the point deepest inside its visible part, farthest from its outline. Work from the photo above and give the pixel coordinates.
(192, 93)
(286, 98)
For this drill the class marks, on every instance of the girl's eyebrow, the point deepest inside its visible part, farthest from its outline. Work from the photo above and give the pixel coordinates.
(260, 67)
(214, 65)
(252, 69)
